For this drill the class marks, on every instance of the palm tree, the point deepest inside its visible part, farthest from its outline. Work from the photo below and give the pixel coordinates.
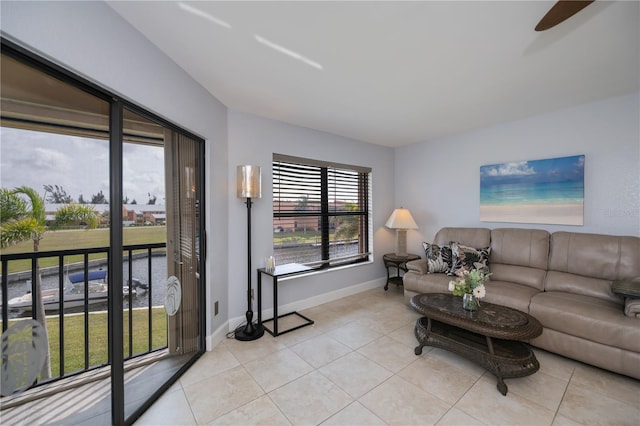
(303, 205)
(23, 220)
(76, 214)
(348, 227)
(27, 222)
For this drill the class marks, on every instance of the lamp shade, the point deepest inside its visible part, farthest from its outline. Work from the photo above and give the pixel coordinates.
(249, 182)
(401, 219)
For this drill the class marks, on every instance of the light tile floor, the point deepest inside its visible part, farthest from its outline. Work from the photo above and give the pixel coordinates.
(356, 366)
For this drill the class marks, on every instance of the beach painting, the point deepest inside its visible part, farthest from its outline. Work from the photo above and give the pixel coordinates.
(547, 191)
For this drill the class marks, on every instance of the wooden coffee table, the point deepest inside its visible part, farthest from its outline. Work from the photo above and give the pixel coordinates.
(491, 337)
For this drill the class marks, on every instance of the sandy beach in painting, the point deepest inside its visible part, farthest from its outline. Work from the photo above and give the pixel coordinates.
(551, 213)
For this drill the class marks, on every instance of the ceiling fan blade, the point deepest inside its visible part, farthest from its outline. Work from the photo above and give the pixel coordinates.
(562, 10)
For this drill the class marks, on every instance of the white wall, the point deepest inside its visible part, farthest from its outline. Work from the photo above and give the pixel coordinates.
(93, 40)
(439, 180)
(253, 140)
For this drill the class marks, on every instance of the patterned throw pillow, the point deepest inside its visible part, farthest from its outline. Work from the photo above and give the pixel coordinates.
(468, 258)
(438, 258)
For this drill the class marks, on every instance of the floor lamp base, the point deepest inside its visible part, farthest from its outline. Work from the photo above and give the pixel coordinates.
(249, 331)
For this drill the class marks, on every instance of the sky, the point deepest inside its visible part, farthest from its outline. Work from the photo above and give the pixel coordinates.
(77, 164)
(562, 169)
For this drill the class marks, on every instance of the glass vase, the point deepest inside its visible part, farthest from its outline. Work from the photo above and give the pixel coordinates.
(470, 302)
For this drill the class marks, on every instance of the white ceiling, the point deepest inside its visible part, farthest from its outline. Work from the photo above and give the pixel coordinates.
(395, 73)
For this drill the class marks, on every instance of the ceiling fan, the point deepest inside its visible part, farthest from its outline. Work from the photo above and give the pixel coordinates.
(561, 11)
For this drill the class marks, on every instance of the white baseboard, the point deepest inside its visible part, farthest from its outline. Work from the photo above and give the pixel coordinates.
(217, 336)
(298, 305)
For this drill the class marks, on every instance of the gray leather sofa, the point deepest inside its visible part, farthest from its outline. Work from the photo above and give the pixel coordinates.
(562, 279)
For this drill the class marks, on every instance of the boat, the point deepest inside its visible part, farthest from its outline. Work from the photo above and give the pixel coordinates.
(74, 292)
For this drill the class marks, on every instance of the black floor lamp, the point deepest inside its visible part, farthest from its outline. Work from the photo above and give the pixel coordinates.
(249, 186)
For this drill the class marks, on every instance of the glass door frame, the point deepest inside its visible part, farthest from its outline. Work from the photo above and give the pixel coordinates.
(115, 327)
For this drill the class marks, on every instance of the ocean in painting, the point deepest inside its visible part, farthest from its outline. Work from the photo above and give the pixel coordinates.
(527, 193)
(540, 191)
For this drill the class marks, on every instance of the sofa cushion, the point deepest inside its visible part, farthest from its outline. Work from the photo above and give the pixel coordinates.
(531, 277)
(509, 294)
(586, 317)
(439, 258)
(578, 284)
(472, 237)
(607, 257)
(521, 247)
(467, 258)
(427, 283)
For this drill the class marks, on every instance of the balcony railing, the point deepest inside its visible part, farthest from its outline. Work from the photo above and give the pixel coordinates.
(77, 318)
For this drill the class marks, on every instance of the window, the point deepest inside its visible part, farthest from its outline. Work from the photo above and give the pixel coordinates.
(320, 212)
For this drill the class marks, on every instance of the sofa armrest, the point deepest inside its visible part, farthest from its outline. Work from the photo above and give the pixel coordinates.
(632, 307)
(419, 266)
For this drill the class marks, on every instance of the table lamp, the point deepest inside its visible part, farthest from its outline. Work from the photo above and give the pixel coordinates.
(401, 220)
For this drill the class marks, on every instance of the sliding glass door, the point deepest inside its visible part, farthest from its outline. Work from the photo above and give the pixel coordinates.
(170, 163)
(139, 180)
(183, 243)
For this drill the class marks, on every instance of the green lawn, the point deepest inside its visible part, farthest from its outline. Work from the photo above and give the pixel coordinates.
(297, 237)
(98, 337)
(79, 239)
(74, 332)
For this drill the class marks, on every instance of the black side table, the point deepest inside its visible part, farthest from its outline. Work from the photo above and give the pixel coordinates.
(392, 260)
(280, 271)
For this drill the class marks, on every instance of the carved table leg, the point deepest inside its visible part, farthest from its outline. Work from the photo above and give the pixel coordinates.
(422, 333)
(502, 387)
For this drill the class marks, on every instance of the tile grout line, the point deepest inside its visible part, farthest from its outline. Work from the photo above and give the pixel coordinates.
(566, 388)
(368, 318)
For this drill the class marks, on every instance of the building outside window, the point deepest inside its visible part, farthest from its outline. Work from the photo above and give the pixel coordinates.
(320, 212)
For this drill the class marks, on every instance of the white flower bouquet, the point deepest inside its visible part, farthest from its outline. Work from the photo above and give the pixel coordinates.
(470, 282)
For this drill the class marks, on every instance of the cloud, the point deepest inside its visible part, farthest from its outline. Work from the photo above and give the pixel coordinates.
(45, 158)
(80, 165)
(521, 168)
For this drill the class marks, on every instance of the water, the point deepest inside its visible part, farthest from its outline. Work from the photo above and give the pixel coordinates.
(532, 193)
(140, 271)
(305, 253)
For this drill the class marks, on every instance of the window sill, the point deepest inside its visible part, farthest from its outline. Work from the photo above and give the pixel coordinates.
(323, 271)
